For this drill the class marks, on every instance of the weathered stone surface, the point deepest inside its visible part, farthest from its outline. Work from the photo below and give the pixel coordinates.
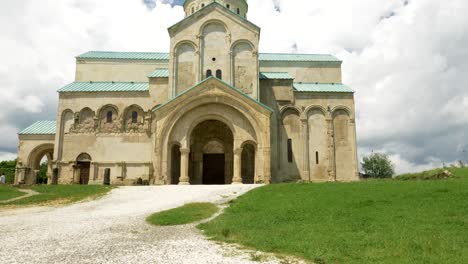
(267, 131)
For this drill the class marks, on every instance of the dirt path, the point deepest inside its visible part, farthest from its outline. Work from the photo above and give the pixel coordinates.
(28, 193)
(113, 230)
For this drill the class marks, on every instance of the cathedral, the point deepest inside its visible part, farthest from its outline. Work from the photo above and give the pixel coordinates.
(214, 110)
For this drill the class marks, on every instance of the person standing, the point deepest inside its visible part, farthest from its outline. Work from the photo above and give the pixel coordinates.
(2, 178)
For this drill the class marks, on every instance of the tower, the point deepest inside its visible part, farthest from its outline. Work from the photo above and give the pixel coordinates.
(239, 7)
(214, 39)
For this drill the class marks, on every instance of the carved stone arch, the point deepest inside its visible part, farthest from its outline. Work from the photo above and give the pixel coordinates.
(214, 21)
(134, 122)
(108, 119)
(85, 114)
(34, 162)
(84, 157)
(215, 43)
(243, 41)
(342, 108)
(38, 153)
(311, 108)
(67, 121)
(292, 108)
(249, 142)
(202, 119)
(183, 42)
(244, 66)
(185, 65)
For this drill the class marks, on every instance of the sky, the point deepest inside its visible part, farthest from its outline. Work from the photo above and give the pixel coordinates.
(407, 60)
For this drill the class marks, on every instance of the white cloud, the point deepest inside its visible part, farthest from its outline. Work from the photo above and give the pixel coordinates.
(407, 60)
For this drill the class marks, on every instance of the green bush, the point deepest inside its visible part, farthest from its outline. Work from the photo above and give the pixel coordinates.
(378, 165)
(437, 174)
(8, 168)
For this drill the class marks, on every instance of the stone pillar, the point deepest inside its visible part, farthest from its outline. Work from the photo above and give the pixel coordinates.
(237, 179)
(184, 167)
(331, 150)
(305, 149)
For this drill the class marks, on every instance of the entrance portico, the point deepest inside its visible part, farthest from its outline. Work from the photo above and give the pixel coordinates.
(212, 125)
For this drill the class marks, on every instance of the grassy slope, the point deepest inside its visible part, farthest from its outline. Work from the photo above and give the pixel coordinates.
(367, 222)
(8, 192)
(188, 213)
(62, 194)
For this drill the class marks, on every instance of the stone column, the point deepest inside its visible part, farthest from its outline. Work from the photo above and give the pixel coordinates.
(305, 149)
(237, 179)
(184, 167)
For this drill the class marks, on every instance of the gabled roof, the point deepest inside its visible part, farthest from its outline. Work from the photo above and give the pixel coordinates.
(275, 76)
(40, 128)
(161, 56)
(322, 88)
(105, 87)
(222, 82)
(159, 73)
(214, 4)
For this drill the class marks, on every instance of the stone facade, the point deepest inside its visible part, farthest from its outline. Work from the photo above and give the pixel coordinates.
(211, 111)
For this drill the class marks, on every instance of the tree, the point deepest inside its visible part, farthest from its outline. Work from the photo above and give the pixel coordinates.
(378, 165)
(8, 168)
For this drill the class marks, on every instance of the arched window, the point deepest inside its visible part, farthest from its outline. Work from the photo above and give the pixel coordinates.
(202, 5)
(109, 117)
(219, 74)
(134, 117)
(193, 9)
(209, 73)
(228, 6)
(238, 11)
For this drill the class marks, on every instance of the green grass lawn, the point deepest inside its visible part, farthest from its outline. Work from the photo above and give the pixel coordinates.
(8, 192)
(61, 194)
(186, 214)
(387, 221)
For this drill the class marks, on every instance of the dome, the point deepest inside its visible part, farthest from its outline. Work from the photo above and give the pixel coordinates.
(239, 7)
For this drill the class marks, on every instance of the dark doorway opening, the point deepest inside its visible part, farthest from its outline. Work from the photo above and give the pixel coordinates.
(213, 169)
(175, 165)
(248, 164)
(84, 172)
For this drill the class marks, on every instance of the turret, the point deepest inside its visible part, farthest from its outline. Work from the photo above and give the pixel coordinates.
(239, 7)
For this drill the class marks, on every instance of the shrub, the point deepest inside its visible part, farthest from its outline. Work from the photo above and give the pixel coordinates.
(437, 174)
(378, 165)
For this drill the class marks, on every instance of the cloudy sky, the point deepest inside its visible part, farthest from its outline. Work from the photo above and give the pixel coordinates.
(406, 59)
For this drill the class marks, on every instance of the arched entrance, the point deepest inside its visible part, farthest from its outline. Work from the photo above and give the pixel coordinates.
(211, 153)
(40, 158)
(83, 165)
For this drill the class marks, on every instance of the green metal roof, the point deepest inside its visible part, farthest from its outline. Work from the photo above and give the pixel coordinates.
(322, 87)
(40, 128)
(159, 73)
(105, 87)
(111, 55)
(297, 57)
(227, 84)
(161, 56)
(275, 75)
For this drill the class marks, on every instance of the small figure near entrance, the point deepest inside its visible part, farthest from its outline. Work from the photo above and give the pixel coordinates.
(2, 178)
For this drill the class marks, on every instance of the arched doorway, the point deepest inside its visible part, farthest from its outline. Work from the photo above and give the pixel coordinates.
(211, 153)
(40, 165)
(83, 165)
(248, 164)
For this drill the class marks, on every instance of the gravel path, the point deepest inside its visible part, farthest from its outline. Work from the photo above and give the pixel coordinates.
(28, 193)
(113, 230)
